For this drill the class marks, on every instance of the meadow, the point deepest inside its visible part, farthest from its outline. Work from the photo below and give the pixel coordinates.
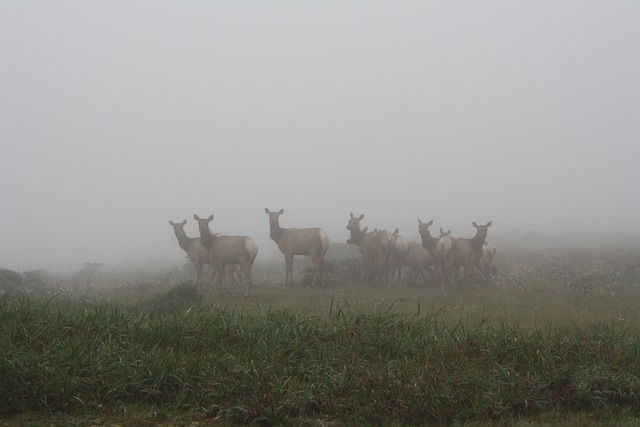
(554, 340)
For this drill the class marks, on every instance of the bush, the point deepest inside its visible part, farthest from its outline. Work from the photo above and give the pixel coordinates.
(10, 283)
(32, 282)
(347, 270)
(179, 298)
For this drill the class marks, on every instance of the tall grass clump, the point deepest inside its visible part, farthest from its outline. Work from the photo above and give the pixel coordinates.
(274, 366)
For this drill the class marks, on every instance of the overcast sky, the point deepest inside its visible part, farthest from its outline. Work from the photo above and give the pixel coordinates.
(117, 116)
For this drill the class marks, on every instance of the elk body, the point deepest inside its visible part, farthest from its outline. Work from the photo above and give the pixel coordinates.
(453, 253)
(224, 250)
(485, 263)
(375, 248)
(196, 252)
(419, 260)
(312, 242)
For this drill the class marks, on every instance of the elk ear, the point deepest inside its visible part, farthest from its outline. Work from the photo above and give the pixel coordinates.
(351, 213)
(364, 230)
(449, 232)
(266, 210)
(396, 231)
(170, 222)
(196, 217)
(441, 230)
(419, 222)
(210, 217)
(281, 211)
(489, 223)
(430, 222)
(361, 217)
(184, 222)
(474, 225)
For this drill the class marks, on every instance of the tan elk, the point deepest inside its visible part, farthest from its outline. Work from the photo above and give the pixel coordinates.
(313, 242)
(485, 263)
(461, 252)
(375, 248)
(398, 257)
(197, 253)
(420, 261)
(224, 250)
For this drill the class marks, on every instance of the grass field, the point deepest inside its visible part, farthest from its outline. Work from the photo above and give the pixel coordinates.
(555, 340)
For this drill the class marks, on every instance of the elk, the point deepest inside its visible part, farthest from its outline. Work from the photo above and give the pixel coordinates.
(225, 250)
(375, 247)
(461, 252)
(312, 242)
(419, 260)
(428, 242)
(399, 251)
(197, 253)
(485, 263)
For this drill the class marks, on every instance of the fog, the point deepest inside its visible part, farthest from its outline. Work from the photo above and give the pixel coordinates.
(119, 116)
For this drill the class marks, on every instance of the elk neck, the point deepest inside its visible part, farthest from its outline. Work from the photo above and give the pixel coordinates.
(275, 231)
(184, 241)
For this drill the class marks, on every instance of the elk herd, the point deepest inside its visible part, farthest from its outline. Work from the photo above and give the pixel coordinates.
(384, 254)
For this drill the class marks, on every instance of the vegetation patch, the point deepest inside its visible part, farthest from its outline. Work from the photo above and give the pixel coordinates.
(554, 341)
(276, 366)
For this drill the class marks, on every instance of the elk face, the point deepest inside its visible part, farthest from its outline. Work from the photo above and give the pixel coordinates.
(354, 222)
(423, 227)
(482, 229)
(178, 228)
(203, 223)
(274, 217)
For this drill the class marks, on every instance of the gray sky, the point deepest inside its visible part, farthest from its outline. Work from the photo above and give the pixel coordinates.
(118, 116)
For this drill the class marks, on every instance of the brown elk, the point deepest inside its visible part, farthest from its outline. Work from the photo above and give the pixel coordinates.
(312, 242)
(428, 242)
(461, 252)
(375, 248)
(224, 250)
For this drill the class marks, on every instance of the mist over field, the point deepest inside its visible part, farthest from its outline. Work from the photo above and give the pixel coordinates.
(117, 117)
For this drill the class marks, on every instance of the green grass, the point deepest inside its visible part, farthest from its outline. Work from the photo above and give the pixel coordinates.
(531, 350)
(355, 365)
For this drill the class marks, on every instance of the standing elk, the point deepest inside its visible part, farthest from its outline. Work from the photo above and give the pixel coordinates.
(428, 242)
(485, 263)
(197, 253)
(312, 242)
(460, 252)
(224, 250)
(375, 248)
(399, 251)
(420, 261)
